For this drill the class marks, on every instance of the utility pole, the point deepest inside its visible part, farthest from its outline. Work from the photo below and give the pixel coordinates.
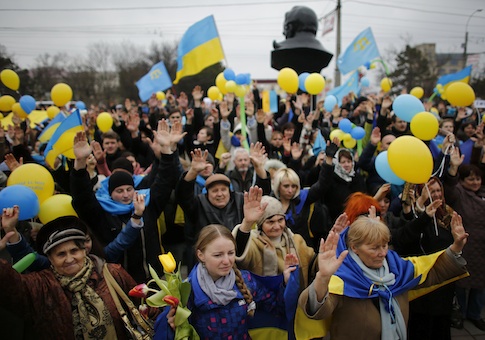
(339, 38)
(466, 36)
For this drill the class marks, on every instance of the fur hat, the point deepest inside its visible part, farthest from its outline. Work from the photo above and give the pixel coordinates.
(217, 179)
(60, 230)
(119, 178)
(274, 207)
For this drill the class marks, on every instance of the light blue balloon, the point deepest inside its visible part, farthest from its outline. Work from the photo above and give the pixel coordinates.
(384, 170)
(406, 106)
(22, 196)
(345, 125)
(301, 81)
(229, 74)
(248, 79)
(80, 105)
(27, 103)
(241, 79)
(330, 102)
(364, 82)
(357, 133)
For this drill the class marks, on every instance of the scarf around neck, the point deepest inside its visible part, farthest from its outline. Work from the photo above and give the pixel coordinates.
(340, 171)
(220, 291)
(91, 318)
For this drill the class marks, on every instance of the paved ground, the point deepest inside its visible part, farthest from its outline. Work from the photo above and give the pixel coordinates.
(469, 332)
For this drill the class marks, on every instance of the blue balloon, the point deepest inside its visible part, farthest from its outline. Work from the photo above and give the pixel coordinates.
(22, 196)
(229, 74)
(406, 106)
(241, 79)
(330, 102)
(365, 82)
(301, 81)
(367, 65)
(80, 105)
(345, 125)
(27, 103)
(248, 79)
(384, 169)
(357, 133)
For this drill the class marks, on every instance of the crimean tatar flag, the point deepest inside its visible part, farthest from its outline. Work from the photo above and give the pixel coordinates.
(199, 48)
(361, 50)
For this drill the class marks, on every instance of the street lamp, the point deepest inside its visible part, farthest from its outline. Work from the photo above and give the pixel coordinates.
(466, 35)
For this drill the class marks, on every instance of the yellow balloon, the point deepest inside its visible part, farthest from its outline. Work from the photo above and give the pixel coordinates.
(213, 92)
(6, 103)
(52, 111)
(314, 83)
(160, 95)
(460, 94)
(288, 80)
(221, 83)
(17, 109)
(231, 86)
(56, 206)
(386, 84)
(417, 91)
(1, 116)
(104, 121)
(61, 94)
(410, 159)
(350, 144)
(34, 176)
(10, 79)
(337, 133)
(347, 137)
(424, 125)
(240, 91)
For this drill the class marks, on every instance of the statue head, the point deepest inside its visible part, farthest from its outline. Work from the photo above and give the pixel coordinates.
(300, 19)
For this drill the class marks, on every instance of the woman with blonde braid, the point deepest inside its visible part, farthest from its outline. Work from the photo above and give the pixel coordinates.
(223, 298)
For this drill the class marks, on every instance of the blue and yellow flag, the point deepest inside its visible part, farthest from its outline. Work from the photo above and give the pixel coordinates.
(351, 85)
(200, 47)
(62, 140)
(51, 127)
(462, 75)
(156, 80)
(362, 49)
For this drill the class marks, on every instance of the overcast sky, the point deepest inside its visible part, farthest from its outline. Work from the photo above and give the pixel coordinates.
(247, 29)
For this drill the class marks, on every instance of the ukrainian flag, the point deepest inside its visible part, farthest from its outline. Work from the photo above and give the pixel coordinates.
(463, 76)
(51, 127)
(62, 140)
(361, 50)
(199, 48)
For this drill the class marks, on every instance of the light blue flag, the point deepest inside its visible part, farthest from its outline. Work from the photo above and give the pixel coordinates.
(273, 101)
(352, 84)
(155, 80)
(360, 51)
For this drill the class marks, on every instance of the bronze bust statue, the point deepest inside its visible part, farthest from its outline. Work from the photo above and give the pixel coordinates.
(300, 51)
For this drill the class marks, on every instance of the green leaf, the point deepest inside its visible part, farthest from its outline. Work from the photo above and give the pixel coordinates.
(156, 300)
(161, 283)
(181, 315)
(185, 289)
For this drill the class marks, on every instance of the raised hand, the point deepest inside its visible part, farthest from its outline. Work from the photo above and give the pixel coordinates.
(199, 160)
(373, 213)
(6, 239)
(249, 108)
(177, 133)
(153, 101)
(260, 116)
(328, 263)
(257, 154)
(10, 218)
(224, 110)
(81, 146)
(98, 151)
(296, 150)
(133, 123)
(382, 191)
(375, 136)
(432, 207)
(197, 93)
(291, 261)
(139, 204)
(12, 162)
(460, 236)
(341, 223)
(253, 208)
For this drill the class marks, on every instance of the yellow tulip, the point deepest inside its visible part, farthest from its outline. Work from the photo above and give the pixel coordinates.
(168, 262)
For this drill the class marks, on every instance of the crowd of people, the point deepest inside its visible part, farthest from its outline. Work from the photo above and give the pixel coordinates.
(240, 202)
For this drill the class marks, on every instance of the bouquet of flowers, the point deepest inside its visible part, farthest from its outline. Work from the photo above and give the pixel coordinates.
(172, 292)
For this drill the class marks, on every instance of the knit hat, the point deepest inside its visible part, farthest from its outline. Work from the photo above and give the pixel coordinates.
(274, 207)
(119, 178)
(122, 163)
(60, 230)
(217, 179)
(211, 160)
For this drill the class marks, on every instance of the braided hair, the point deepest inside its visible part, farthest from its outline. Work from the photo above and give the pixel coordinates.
(209, 234)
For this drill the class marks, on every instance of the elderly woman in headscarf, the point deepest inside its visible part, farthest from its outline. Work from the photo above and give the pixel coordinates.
(70, 300)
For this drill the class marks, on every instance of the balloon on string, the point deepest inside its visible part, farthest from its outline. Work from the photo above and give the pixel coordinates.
(386, 84)
(350, 143)
(345, 125)
(364, 82)
(221, 83)
(229, 74)
(56, 206)
(367, 66)
(314, 83)
(213, 92)
(347, 136)
(384, 169)
(52, 111)
(6, 103)
(231, 86)
(288, 80)
(160, 95)
(17, 109)
(460, 94)
(240, 91)
(24, 197)
(61, 94)
(10, 79)
(337, 133)
(330, 102)
(35, 177)
(425, 126)
(406, 106)
(417, 91)
(27, 103)
(410, 159)
(104, 121)
(301, 81)
(357, 133)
